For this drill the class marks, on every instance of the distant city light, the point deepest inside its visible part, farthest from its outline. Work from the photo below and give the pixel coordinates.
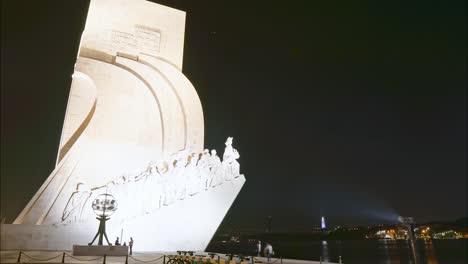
(323, 223)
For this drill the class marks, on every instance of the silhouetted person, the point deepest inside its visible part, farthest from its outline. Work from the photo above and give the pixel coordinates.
(259, 248)
(130, 244)
(117, 243)
(268, 251)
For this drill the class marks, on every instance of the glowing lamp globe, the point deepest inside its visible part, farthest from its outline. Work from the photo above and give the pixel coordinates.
(104, 205)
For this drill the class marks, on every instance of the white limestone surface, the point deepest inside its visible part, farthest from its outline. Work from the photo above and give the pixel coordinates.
(186, 225)
(133, 120)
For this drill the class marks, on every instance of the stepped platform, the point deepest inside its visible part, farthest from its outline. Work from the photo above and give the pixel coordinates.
(137, 257)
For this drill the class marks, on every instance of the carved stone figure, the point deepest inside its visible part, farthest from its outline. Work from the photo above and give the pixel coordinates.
(216, 169)
(180, 177)
(123, 191)
(161, 168)
(161, 183)
(158, 188)
(152, 192)
(169, 184)
(74, 209)
(193, 175)
(231, 167)
(204, 168)
(228, 150)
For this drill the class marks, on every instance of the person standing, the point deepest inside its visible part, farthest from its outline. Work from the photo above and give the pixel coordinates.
(268, 251)
(259, 248)
(130, 244)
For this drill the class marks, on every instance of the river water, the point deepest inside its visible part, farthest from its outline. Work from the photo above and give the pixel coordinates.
(360, 251)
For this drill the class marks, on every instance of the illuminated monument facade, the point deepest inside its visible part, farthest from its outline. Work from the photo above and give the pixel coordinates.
(133, 129)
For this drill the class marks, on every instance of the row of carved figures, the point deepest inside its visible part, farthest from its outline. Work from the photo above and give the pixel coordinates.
(162, 183)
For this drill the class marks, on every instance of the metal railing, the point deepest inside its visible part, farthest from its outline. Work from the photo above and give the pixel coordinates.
(182, 257)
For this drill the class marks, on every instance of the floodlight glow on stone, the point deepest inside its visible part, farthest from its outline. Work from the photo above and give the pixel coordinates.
(134, 129)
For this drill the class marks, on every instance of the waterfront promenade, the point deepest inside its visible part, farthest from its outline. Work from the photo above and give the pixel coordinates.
(137, 257)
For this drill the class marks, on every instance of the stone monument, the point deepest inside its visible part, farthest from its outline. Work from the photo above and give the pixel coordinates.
(133, 129)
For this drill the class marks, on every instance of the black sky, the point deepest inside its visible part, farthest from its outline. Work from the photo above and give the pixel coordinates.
(352, 110)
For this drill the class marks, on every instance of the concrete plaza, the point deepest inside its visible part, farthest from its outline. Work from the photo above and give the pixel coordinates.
(137, 257)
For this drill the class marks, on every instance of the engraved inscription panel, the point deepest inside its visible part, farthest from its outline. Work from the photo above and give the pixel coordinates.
(138, 39)
(147, 38)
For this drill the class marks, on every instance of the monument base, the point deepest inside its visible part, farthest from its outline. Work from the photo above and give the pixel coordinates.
(170, 228)
(85, 250)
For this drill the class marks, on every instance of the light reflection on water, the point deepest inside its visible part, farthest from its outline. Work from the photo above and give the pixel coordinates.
(430, 252)
(359, 251)
(390, 252)
(325, 251)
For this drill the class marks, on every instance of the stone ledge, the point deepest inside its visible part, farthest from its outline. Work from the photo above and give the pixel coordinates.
(85, 250)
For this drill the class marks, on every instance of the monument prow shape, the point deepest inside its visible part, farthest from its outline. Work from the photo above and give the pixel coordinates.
(133, 129)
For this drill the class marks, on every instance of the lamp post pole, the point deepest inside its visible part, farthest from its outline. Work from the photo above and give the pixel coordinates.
(408, 222)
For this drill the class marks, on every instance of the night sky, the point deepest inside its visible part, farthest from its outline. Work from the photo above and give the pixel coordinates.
(355, 111)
